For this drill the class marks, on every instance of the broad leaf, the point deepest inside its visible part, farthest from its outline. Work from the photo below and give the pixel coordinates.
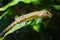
(57, 7)
(36, 24)
(16, 27)
(15, 2)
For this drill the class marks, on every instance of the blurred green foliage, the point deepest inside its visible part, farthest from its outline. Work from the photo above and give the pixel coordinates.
(46, 30)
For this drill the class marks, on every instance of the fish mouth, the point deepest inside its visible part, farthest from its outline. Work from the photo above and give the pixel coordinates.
(48, 14)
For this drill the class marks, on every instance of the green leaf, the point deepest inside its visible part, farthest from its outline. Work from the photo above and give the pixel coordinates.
(36, 27)
(15, 2)
(26, 1)
(36, 24)
(57, 7)
(35, 1)
(1, 39)
(12, 3)
(16, 27)
(5, 13)
(30, 1)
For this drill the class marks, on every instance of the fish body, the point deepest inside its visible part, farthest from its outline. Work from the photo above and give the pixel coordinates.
(39, 14)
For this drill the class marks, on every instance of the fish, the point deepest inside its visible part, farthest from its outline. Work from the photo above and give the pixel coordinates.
(26, 17)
